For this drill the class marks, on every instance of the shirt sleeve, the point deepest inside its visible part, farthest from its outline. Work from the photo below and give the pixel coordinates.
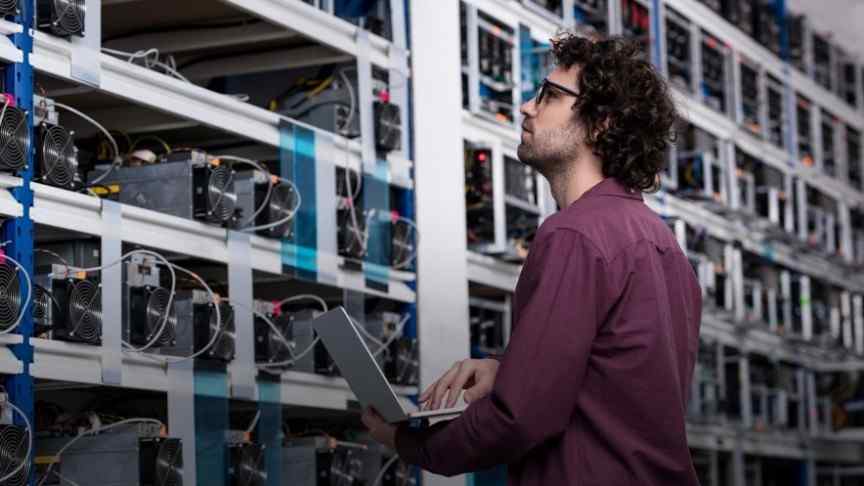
(542, 370)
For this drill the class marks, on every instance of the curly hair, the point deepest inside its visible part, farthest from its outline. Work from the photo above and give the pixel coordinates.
(624, 105)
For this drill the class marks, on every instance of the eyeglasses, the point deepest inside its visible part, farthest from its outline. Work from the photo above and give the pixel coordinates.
(544, 90)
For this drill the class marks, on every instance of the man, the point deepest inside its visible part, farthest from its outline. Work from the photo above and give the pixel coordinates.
(593, 387)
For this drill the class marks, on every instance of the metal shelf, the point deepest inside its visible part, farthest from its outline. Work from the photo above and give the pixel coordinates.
(729, 437)
(741, 42)
(81, 363)
(721, 227)
(513, 12)
(319, 26)
(78, 212)
(493, 272)
(141, 86)
(8, 51)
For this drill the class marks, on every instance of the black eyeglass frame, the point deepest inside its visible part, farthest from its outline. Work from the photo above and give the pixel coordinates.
(546, 84)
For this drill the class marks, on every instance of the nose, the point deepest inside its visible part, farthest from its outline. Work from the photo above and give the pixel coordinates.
(529, 108)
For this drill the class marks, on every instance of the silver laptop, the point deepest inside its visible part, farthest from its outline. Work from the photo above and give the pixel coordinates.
(359, 368)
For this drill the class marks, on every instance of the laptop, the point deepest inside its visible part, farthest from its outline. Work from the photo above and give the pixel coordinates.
(364, 376)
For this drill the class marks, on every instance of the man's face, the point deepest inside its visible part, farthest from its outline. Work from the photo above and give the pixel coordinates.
(551, 136)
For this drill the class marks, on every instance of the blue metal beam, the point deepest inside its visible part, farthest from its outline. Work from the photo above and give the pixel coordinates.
(19, 231)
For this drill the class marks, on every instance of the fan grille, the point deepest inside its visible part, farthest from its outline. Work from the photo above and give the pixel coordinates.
(10, 295)
(41, 302)
(85, 311)
(403, 244)
(250, 470)
(13, 449)
(67, 17)
(220, 193)
(8, 7)
(283, 200)
(157, 305)
(223, 348)
(14, 139)
(58, 161)
(169, 463)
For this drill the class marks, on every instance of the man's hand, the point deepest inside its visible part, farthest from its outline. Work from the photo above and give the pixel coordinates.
(477, 375)
(379, 429)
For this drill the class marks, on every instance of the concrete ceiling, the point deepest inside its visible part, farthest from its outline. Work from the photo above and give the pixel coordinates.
(842, 18)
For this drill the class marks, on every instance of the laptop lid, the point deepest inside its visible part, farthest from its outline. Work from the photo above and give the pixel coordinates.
(357, 365)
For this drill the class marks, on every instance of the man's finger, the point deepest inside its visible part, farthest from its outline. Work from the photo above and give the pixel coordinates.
(465, 373)
(442, 385)
(427, 392)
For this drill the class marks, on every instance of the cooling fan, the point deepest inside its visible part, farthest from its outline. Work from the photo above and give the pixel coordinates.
(169, 463)
(57, 157)
(351, 237)
(13, 449)
(247, 465)
(14, 139)
(270, 346)
(223, 348)
(9, 7)
(283, 201)
(63, 17)
(221, 197)
(388, 126)
(43, 311)
(404, 244)
(10, 295)
(84, 314)
(148, 306)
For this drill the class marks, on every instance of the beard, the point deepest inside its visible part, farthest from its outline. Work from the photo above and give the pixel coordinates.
(549, 152)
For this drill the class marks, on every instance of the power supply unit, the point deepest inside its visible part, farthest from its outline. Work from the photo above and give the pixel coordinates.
(751, 99)
(273, 345)
(137, 455)
(823, 58)
(63, 18)
(197, 323)
(776, 108)
(145, 304)
(303, 336)
(188, 184)
(715, 77)
(766, 25)
(796, 31)
(69, 305)
(678, 56)
(251, 190)
(84, 253)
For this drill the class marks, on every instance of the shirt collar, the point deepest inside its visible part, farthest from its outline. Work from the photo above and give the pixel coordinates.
(611, 187)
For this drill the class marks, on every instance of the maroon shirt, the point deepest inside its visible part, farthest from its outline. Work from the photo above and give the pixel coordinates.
(593, 387)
